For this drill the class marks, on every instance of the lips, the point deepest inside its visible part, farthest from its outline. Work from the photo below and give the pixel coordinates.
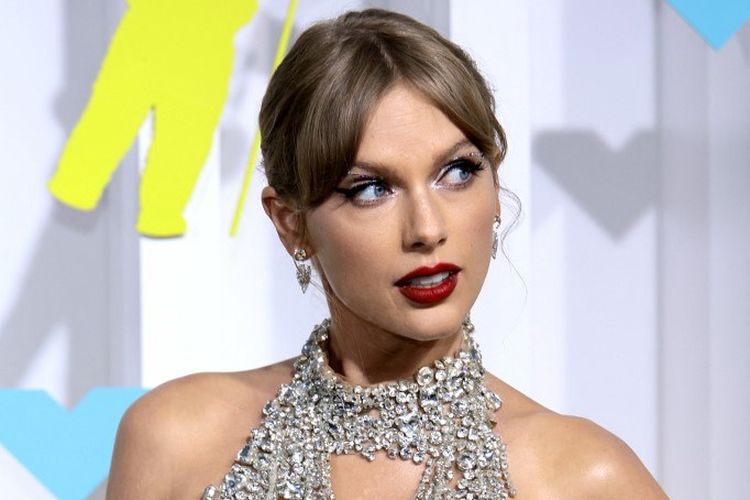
(429, 285)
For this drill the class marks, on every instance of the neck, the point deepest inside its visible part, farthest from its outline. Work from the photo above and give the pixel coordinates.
(364, 354)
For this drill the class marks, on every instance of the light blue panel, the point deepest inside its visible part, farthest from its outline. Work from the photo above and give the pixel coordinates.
(715, 20)
(68, 451)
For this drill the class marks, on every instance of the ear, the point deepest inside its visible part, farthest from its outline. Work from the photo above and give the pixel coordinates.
(286, 218)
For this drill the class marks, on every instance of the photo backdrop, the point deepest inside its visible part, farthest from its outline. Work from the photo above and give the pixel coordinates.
(624, 299)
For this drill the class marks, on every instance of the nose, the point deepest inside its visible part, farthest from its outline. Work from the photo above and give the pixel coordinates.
(424, 223)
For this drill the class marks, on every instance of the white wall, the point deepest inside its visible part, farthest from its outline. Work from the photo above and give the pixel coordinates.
(704, 263)
(594, 213)
(68, 302)
(627, 147)
(729, 268)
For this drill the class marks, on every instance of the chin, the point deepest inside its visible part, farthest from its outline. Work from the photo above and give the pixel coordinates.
(396, 315)
(432, 323)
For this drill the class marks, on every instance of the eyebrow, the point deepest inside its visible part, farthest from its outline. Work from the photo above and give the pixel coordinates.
(438, 159)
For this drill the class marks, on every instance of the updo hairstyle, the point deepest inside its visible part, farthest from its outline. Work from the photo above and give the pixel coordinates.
(319, 99)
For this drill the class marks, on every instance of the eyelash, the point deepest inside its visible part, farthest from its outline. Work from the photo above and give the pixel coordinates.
(471, 165)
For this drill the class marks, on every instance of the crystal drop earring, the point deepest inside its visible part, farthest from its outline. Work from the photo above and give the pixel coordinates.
(303, 269)
(495, 229)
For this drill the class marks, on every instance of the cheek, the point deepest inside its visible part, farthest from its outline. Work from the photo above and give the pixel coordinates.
(475, 219)
(475, 242)
(350, 250)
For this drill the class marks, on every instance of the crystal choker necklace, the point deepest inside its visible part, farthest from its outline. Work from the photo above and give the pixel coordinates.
(442, 418)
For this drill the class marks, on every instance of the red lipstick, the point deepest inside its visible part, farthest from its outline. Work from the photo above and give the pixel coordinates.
(429, 285)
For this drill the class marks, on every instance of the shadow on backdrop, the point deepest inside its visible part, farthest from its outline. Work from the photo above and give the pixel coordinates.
(252, 60)
(65, 282)
(743, 36)
(68, 283)
(615, 188)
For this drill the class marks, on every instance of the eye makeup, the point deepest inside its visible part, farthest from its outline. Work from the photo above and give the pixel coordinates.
(363, 188)
(459, 172)
(366, 190)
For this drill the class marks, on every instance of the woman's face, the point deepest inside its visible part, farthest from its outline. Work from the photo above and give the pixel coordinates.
(420, 195)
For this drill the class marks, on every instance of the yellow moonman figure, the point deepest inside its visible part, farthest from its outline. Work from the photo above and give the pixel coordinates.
(170, 56)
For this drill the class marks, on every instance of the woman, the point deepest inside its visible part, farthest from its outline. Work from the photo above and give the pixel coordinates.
(381, 149)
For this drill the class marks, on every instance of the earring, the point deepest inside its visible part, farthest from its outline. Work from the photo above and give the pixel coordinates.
(467, 322)
(495, 228)
(303, 270)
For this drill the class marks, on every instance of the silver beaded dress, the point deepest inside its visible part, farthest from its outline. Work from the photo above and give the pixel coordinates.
(441, 418)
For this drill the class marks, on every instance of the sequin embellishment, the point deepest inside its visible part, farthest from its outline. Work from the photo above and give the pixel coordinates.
(442, 418)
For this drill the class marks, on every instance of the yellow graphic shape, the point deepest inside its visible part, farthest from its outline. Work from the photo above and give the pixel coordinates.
(286, 32)
(172, 57)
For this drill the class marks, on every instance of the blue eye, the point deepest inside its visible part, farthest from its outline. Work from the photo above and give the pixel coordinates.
(366, 192)
(460, 172)
(371, 192)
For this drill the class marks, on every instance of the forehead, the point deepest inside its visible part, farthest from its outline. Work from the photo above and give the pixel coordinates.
(405, 126)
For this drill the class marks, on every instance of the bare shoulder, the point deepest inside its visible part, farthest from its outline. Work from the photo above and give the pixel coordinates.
(559, 456)
(183, 435)
(587, 461)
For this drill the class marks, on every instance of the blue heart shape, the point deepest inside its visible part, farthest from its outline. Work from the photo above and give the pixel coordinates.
(68, 451)
(715, 20)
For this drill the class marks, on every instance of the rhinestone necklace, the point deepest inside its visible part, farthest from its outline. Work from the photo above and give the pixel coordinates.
(441, 418)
